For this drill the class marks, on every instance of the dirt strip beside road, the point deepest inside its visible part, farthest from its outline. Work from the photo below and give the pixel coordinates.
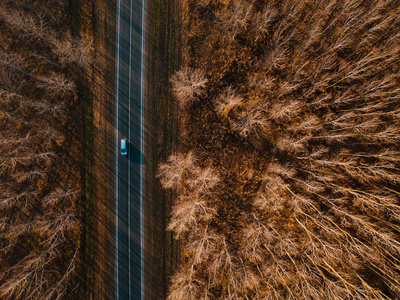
(103, 131)
(161, 133)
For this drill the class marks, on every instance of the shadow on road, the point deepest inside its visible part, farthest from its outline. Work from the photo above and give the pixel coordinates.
(134, 155)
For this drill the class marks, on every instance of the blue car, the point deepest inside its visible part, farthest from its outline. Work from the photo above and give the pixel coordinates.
(124, 147)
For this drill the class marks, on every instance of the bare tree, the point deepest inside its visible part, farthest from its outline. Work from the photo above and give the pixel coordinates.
(11, 199)
(59, 196)
(71, 50)
(204, 180)
(28, 159)
(278, 59)
(176, 169)
(185, 285)
(28, 25)
(56, 84)
(13, 62)
(263, 20)
(58, 290)
(188, 85)
(190, 214)
(255, 236)
(180, 170)
(249, 121)
(293, 144)
(284, 111)
(227, 101)
(235, 17)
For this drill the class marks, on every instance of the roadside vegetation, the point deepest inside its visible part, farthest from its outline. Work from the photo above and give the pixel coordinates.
(41, 68)
(288, 170)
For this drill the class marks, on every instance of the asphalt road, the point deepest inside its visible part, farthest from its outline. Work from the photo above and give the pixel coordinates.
(129, 169)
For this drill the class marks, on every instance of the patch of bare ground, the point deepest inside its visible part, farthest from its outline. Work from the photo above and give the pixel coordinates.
(161, 132)
(103, 79)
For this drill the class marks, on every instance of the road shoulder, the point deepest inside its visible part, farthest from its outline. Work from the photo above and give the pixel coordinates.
(103, 152)
(161, 123)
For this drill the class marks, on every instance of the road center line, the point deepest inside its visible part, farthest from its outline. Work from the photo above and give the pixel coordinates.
(129, 152)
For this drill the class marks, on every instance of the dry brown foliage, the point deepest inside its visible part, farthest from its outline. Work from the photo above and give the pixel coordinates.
(39, 217)
(300, 119)
(195, 184)
(188, 85)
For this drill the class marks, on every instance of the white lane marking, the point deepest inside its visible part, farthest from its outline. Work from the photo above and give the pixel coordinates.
(116, 153)
(129, 152)
(142, 150)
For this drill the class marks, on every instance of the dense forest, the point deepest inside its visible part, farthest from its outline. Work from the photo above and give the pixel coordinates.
(40, 152)
(287, 177)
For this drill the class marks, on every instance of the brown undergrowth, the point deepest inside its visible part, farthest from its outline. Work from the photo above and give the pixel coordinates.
(42, 160)
(287, 176)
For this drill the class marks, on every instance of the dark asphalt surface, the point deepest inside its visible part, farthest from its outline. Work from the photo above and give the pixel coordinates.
(129, 169)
